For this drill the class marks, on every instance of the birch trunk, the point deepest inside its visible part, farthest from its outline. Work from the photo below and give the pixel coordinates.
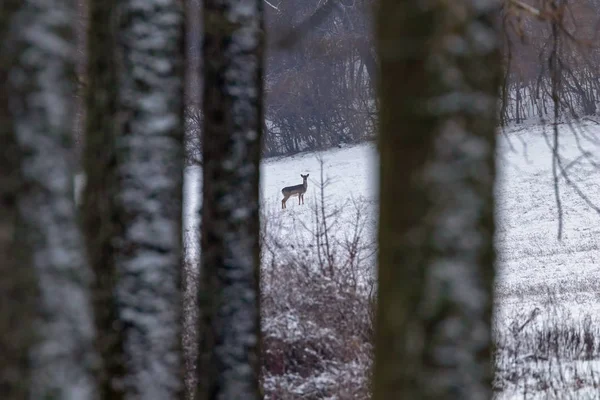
(132, 201)
(46, 321)
(229, 294)
(440, 73)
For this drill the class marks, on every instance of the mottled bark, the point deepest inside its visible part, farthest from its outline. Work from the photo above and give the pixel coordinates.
(229, 295)
(132, 201)
(150, 157)
(440, 71)
(18, 286)
(46, 329)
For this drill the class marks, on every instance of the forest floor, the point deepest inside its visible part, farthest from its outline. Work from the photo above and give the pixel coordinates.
(547, 317)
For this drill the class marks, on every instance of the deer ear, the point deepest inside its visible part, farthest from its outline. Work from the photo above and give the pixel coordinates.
(307, 175)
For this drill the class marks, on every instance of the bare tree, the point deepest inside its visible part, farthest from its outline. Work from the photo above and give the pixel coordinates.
(132, 201)
(320, 75)
(232, 111)
(440, 74)
(533, 61)
(46, 330)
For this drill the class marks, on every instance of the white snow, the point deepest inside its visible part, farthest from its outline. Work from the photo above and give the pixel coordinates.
(529, 252)
(534, 268)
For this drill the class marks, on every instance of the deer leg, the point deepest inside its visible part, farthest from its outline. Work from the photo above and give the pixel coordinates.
(283, 202)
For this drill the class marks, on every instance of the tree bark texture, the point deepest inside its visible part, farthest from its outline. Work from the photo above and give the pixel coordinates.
(18, 290)
(133, 197)
(151, 160)
(229, 292)
(47, 329)
(438, 85)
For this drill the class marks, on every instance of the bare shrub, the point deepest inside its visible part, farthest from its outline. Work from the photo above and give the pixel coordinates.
(316, 337)
(547, 352)
(317, 304)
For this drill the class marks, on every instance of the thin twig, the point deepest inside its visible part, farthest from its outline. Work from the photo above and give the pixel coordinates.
(271, 5)
(554, 76)
(526, 7)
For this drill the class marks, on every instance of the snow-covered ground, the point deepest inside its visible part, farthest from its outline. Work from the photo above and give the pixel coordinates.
(535, 269)
(530, 253)
(532, 260)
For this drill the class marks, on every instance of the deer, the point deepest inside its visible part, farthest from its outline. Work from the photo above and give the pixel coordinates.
(296, 190)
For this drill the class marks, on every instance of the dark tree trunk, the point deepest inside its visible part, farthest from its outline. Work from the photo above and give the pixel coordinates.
(134, 166)
(229, 293)
(100, 217)
(18, 286)
(46, 330)
(440, 74)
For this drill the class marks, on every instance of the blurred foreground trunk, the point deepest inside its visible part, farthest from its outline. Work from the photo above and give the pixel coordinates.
(46, 330)
(440, 73)
(133, 161)
(229, 294)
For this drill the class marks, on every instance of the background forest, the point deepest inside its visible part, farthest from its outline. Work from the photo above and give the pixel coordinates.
(320, 92)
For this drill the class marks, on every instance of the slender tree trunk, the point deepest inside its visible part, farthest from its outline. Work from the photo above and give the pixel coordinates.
(229, 293)
(81, 25)
(440, 74)
(193, 96)
(46, 330)
(100, 218)
(132, 201)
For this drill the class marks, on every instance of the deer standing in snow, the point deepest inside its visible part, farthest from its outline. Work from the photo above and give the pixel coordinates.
(297, 190)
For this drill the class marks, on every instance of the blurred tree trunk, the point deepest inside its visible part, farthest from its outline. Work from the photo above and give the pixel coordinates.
(100, 218)
(132, 202)
(46, 330)
(151, 160)
(229, 294)
(440, 74)
(81, 26)
(18, 289)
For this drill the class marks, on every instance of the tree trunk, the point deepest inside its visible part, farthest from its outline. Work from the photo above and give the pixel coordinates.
(100, 218)
(229, 293)
(132, 201)
(151, 161)
(440, 74)
(18, 286)
(46, 330)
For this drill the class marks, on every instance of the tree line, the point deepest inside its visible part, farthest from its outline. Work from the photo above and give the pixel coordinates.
(553, 47)
(320, 93)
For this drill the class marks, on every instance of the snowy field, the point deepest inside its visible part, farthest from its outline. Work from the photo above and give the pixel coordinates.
(532, 260)
(545, 286)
